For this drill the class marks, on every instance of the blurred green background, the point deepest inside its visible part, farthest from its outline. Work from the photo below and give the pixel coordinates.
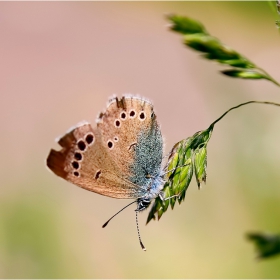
(60, 61)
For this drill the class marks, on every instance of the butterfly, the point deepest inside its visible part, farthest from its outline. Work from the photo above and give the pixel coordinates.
(121, 157)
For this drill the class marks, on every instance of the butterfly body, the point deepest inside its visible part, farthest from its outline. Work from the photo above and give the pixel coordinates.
(121, 157)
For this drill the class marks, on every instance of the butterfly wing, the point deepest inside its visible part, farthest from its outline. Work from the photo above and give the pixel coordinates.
(84, 162)
(119, 157)
(130, 129)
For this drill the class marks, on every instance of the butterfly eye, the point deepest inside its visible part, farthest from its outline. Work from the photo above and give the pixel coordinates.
(152, 114)
(123, 115)
(132, 114)
(142, 116)
(117, 123)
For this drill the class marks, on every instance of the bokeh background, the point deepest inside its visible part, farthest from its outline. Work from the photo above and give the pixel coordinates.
(60, 61)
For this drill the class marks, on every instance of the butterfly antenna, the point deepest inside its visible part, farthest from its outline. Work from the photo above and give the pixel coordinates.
(141, 244)
(118, 213)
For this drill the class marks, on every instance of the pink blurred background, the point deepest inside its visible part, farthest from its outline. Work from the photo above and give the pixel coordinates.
(60, 61)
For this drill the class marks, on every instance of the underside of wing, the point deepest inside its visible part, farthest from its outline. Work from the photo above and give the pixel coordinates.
(84, 162)
(132, 137)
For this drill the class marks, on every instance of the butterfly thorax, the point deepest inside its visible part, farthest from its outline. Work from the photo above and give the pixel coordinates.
(154, 190)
